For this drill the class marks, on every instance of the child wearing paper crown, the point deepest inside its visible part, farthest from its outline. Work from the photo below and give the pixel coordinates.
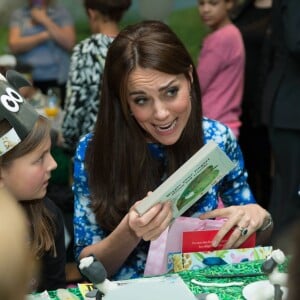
(25, 169)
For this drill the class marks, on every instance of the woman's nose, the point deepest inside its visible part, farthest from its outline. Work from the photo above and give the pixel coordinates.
(160, 110)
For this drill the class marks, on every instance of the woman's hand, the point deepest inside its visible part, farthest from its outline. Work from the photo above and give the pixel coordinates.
(244, 220)
(150, 225)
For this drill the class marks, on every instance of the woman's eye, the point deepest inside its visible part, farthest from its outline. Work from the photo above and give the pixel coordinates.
(140, 100)
(171, 92)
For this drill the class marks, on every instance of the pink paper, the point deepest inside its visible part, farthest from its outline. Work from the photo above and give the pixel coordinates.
(171, 241)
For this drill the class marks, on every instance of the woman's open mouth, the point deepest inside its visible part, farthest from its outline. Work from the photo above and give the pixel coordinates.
(166, 127)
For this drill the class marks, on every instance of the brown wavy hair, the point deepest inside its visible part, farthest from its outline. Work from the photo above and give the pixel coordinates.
(120, 166)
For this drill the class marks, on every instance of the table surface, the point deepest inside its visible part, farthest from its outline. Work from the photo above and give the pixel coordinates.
(224, 293)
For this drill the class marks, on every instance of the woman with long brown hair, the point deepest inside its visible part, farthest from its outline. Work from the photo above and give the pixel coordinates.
(149, 123)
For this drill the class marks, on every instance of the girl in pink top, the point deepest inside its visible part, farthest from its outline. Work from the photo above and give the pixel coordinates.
(221, 65)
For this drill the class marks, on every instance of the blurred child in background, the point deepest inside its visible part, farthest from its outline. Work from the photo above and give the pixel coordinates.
(221, 65)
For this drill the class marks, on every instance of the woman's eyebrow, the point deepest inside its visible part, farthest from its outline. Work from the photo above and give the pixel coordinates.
(136, 93)
(160, 89)
(167, 85)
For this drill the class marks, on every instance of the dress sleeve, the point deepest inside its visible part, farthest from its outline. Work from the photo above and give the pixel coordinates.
(86, 229)
(234, 188)
(64, 18)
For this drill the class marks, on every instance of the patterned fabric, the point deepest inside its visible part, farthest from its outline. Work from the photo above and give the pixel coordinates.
(233, 189)
(83, 88)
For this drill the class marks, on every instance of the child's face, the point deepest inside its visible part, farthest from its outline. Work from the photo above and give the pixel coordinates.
(27, 177)
(214, 13)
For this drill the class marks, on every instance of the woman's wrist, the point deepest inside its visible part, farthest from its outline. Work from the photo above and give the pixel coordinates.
(126, 231)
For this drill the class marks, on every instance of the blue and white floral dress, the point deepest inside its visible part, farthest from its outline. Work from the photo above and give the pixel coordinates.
(233, 190)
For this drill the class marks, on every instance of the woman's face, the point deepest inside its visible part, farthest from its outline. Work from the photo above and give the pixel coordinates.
(160, 103)
(27, 177)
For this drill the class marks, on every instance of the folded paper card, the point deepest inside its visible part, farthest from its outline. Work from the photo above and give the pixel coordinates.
(191, 181)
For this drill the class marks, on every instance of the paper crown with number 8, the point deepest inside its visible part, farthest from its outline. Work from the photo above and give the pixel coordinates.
(20, 114)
